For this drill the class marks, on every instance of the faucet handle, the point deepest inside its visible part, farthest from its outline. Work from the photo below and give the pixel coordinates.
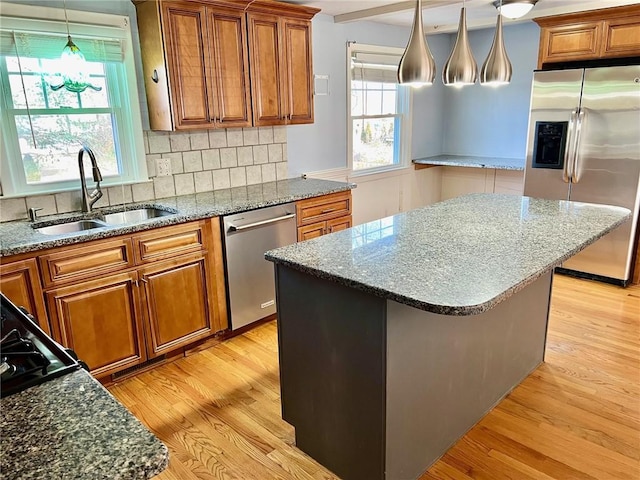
(33, 213)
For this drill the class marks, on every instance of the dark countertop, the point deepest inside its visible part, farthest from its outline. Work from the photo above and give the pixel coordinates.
(71, 427)
(473, 162)
(19, 237)
(458, 257)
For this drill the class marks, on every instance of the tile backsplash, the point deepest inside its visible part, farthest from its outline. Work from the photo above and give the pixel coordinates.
(180, 163)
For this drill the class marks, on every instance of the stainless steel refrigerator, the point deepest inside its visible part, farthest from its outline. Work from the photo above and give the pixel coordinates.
(584, 145)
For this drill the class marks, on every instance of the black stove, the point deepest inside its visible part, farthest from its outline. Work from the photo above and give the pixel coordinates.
(28, 356)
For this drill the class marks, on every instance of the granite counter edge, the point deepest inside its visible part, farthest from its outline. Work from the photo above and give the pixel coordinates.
(450, 310)
(215, 211)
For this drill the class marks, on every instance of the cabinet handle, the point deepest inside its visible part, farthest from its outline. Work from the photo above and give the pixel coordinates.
(144, 280)
(328, 210)
(290, 116)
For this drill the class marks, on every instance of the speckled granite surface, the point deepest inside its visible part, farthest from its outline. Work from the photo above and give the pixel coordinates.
(19, 237)
(458, 257)
(72, 428)
(473, 162)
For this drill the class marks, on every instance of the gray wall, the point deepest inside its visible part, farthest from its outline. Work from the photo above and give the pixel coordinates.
(323, 145)
(488, 121)
(475, 120)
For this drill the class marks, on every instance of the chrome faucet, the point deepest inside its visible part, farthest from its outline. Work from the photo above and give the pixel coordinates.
(88, 199)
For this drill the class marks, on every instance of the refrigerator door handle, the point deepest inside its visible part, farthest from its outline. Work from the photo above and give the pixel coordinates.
(575, 169)
(567, 170)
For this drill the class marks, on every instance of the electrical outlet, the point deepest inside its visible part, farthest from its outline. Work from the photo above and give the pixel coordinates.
(163, 167)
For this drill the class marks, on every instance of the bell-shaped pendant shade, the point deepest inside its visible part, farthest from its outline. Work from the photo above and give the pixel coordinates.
(496, 69)
(417, 66)
(461, 68)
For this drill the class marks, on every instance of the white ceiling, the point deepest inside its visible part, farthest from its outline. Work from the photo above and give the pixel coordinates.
(443, 15)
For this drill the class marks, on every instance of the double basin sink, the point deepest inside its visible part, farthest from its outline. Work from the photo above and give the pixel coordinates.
(104, 221)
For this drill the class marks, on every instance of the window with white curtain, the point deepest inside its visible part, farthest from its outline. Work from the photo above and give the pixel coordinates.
(43, 129)
(379, 109)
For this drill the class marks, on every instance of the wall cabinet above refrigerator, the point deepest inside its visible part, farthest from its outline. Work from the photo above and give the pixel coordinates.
(592, 35)
(197, 57)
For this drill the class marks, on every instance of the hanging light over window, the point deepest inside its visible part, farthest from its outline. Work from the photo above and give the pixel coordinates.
(417, 66)
(514, 8)
(496, 69)
(73, 66)
(461, 68)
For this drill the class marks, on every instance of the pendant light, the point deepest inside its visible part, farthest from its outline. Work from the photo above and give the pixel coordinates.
(496, 69)
(461, 68)
(73, 66)
(417, 66)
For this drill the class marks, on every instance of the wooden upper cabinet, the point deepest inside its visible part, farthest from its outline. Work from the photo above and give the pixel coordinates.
(187, 47)
(230, 67)
(591, 35)
(199, 56)
(281, 63)
(205, 80)
(266, 72)
(299, 70)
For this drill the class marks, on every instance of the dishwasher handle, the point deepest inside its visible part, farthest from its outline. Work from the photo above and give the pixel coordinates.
(233, 228)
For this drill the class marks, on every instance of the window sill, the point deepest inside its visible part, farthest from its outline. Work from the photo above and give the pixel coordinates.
(374, 174)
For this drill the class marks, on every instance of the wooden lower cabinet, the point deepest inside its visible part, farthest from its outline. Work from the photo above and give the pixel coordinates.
(20, 283)
(99, 320)
(338, 224)
(322, 215)
(176, 306)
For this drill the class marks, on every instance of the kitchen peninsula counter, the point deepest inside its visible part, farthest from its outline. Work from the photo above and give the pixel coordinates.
(71, 427)
(471, 161)
(18, 237)
(397, 336)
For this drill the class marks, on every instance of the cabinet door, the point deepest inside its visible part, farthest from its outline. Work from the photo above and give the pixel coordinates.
(187, 54)
(267, 84)
(20, 283)
(312, 231)
(299, 74)
(177, 306)
(571, 42)
(622, 37)
(230, 67)
(98, 320)
(338, 224)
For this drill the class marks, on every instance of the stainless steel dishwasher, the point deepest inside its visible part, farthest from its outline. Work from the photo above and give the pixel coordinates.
(250, 278)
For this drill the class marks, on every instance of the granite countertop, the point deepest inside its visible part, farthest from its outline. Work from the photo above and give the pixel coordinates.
(473, 162)
(19, 236)
(459, 257)
(71, 427)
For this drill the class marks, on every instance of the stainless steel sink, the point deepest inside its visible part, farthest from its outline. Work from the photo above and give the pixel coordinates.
(70, 227)
(133, 216)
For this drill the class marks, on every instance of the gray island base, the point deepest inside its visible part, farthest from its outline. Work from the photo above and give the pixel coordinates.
(393, 344)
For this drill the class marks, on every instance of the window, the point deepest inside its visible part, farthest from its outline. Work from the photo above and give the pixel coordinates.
(379, 110)
(43, 129)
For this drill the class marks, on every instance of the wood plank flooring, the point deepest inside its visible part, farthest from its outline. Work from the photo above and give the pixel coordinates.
(576, 417)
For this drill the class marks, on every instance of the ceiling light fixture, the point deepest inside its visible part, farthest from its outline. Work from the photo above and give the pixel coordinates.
(461, 68)
(417, 66)
(73, 66)
(514, 8)
(496, 69)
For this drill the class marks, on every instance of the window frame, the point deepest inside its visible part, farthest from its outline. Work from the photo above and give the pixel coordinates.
(123, 99)
(404, 102)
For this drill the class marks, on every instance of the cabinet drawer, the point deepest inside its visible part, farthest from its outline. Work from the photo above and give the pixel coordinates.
(323, 208)
(78, 263)
(169, 242)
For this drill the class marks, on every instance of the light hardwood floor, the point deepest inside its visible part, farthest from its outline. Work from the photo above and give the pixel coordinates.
(576, 417)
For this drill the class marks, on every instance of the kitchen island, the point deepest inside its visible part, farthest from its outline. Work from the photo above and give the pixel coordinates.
(397, 336)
